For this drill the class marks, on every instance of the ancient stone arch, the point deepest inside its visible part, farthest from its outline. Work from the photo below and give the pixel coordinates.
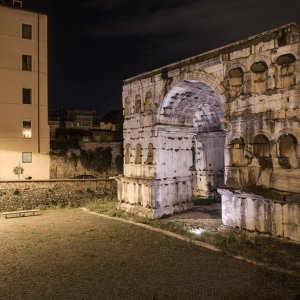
(197, 113)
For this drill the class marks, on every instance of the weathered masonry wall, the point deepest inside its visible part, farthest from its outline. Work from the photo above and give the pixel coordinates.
(62, 167)
(71, 193)
(256, 213)
(245, 96)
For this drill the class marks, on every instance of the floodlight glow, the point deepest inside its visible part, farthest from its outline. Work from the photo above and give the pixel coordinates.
(196, 230)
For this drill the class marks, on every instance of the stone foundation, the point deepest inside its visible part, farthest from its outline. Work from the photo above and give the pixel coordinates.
(256, 213)
(154, 198)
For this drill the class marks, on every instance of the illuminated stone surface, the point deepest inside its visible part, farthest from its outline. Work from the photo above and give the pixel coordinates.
(228, 118)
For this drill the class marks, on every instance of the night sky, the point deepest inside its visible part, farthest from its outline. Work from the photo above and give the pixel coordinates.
(95, 44)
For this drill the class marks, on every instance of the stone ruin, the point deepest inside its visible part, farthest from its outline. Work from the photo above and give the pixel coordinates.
(224, 123)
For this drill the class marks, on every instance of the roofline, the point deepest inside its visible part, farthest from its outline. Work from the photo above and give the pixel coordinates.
(211, 53)
(23, 9)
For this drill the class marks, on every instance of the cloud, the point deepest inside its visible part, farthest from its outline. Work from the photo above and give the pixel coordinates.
(101, 4)
(185, 27)
(167, 19)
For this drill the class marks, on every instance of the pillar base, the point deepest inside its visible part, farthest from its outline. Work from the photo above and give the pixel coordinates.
(154, 198)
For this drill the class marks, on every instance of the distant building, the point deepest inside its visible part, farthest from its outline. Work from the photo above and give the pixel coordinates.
(24, 131)
(75, 132)
(73, 118)
(103, 135)
(108, 129)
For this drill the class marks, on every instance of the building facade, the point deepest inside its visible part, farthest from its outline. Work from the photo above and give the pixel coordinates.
(225, 122)
(24, 131)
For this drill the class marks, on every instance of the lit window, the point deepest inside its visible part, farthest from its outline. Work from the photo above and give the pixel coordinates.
(26, 63)
(27, 134)
(26, 31)
(26, 96)
(27, 157)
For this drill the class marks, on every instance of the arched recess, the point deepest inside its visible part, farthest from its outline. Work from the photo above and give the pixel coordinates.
(137, 104)
(191, 141)
(150, 155)
(148, 102)
(287, 145)
(259, 77)
(127, 153)
(287, 68)
(138, 154)
(236, 150)
(235, 82)
(127, 107)
(262, 150)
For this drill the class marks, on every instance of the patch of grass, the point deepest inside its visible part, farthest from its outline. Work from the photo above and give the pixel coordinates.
(109, 208)
(260, 248)
(200, 200)
(106, 207)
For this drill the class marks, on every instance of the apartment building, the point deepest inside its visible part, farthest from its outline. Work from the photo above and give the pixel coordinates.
(24, 131)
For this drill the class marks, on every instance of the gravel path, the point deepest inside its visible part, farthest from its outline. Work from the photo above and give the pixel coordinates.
(70, 254)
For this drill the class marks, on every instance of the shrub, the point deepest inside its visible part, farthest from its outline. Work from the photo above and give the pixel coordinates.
(98, 160)
(18, 170)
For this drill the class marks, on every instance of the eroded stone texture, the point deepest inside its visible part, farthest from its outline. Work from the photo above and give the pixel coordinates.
(229, 116)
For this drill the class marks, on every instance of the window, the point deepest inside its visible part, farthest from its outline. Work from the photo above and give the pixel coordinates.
(27, 134)
(26, 63)
(27, 157)
(26, 31)
(17, 3)
(26, 97)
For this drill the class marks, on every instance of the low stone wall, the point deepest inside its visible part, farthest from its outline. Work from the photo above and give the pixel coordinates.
(72, 193)
(252, 212)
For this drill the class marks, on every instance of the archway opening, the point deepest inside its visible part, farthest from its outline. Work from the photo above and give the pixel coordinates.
(191, 140)
(262, 151)
(288, 151)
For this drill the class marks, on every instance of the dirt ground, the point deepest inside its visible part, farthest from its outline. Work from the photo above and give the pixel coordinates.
(71, 254)
(208, 217)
